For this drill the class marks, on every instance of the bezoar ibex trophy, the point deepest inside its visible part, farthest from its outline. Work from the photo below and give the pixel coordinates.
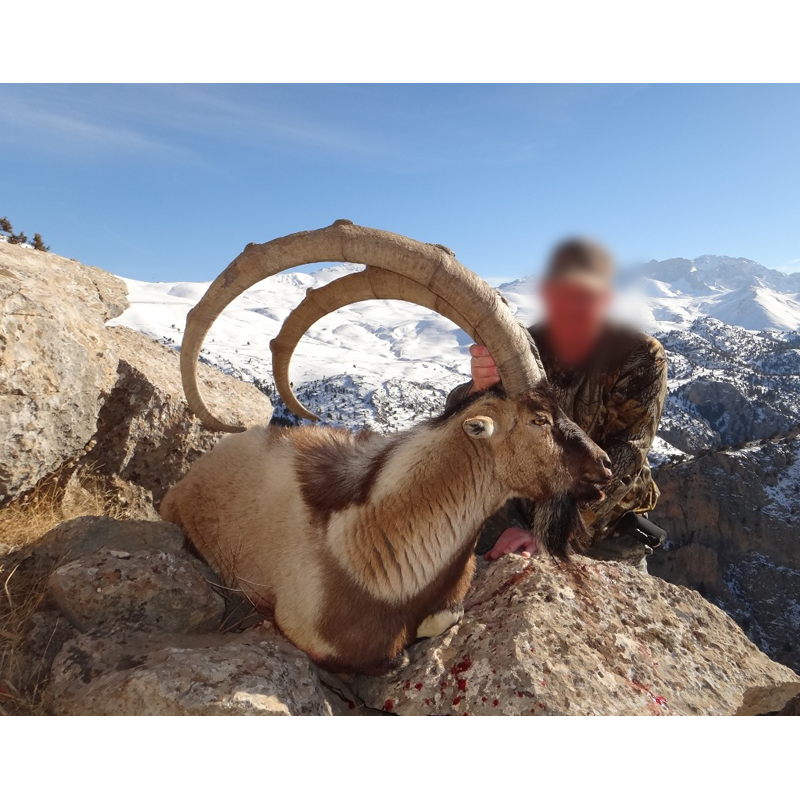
(357, 544)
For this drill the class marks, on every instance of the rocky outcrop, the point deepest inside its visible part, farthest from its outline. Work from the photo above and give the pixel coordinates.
(138, 629)
(57, 365)
(586, 638)
(733, 522)
(146, 435)
(254, 673)
(75, 392)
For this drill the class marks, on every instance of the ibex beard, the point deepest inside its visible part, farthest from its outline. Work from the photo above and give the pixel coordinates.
(359, 543)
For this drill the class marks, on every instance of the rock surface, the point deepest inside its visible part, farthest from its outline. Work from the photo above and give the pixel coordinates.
(589, 638)
(537, 637)
(733, 524)
(257, 673)
(78, 394)
(88, 535)
(144, 589)
(57, 364)
(146, 435)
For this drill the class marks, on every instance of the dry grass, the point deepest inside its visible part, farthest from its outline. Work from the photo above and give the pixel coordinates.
(60, 497)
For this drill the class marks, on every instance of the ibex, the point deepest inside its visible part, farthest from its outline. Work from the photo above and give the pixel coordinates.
(360, 543)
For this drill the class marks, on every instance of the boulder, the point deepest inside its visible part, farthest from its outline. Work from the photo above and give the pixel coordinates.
(77, 395)
(585, 638)
(88, 535)
(57, 364)
(144, 589)
(146, 435)
(257, 673)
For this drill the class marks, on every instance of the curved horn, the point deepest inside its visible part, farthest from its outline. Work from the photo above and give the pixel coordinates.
(373, 283)
(431, 266)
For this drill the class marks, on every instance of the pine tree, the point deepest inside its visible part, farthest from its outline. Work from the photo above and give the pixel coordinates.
(18, 238)
(5, 225)
(38, 243)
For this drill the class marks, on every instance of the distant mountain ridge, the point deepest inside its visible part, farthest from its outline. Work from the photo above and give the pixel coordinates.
(711, 273)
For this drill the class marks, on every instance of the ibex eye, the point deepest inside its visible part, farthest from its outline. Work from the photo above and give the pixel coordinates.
(540, 421)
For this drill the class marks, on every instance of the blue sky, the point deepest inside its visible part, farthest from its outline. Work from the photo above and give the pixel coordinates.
(170, 182)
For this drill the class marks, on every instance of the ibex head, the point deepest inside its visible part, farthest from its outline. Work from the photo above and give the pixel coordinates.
(540, 454)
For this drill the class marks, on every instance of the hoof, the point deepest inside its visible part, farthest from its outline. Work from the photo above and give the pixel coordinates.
(436, 624)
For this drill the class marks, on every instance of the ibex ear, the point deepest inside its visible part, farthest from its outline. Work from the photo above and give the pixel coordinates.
(479, 427)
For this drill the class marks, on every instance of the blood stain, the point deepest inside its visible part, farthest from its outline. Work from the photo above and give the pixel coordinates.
(388, 705)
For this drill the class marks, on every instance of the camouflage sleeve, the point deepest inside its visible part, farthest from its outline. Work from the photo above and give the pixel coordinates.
(457, 395)
(634, 410)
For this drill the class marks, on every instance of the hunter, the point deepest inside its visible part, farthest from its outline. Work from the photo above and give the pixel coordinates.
(611, 381)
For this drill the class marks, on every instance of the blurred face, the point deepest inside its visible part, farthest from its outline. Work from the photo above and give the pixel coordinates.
(574, 317)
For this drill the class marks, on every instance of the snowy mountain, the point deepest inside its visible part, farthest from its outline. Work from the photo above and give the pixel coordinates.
(731, 328)
(733, 290)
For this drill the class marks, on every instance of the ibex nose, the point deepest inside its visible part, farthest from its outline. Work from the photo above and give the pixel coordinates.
(605, 463)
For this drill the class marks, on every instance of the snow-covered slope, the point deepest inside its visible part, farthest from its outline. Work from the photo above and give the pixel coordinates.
(733, 290)
(730, 326)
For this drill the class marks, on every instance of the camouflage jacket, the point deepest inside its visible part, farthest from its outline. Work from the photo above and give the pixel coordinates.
(617, 399)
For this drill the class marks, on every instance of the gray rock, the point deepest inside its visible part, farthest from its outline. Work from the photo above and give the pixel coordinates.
(587, 638)
(75, 394)
(28, 664)
(257, 673)
(88, 535)
(145, 589)
(146, 435)
(57, 364)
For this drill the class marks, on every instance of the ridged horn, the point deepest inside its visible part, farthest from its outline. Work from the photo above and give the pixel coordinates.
(431, 266)
(373, 283)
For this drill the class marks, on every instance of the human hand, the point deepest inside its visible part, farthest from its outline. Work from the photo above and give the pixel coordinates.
(484, 370)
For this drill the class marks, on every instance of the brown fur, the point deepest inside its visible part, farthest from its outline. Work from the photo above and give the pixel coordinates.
(354, 540)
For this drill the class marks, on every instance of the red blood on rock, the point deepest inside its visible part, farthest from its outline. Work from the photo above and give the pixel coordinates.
(351, 704)
(417, 686)
(456, 699)
(388, 705)
(445, 684)
(484, 699)
(662, 701)
(541, 705)
(533, 711)
(520, 694)
(495, 702)
(427, 701)
(544, 683)
(494, 672)
(408, 684)
(462, 684)
(462, 666)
